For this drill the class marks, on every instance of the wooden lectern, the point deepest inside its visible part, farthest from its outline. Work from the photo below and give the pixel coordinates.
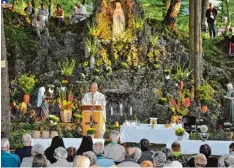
(92, 117)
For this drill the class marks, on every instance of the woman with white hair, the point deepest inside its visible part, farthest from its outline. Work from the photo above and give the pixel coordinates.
(229, 105)
(61, 155)
(81, 161)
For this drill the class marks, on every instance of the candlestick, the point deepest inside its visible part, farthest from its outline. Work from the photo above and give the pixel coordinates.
(121, 109)
(111, 111)
(130, 111)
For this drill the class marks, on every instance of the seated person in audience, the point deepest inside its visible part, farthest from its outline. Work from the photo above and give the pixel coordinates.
(75, 10)
(86, 145)
(43, 12)
(36, 149)
(57, 141)
(71, 153)
(40, 26)
(147, 163)
(98, 149)
(39, 160)
(113, 150)
(80, 14)
(231, 153)
(159, 159)
(59, 14)
(92, 157)
(132, 156)
(8, 159)
(146, 153)
(177, 155)
(81, 161)
(26, 150)
(176, 164)
(29, 10)
(168, 154)
(200, 160)
(61, 155)
(229, 161)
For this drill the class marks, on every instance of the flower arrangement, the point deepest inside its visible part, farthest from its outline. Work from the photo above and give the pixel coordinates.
(64, 103)
(205, 93)
(27, 83)
(180, 74)
(67, 67)
(179, 131)
(53, 118)
(92, 46)
(91, 131)
(203, 128)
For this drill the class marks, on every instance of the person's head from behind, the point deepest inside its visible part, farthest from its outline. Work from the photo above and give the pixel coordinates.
(200, 160)
(206, 150)
(159, 159)
(60, 153)
(176, 164)
(98, 148)
(57, 141)
(39, 160)
(86, 144)
(147, 163)
(211, 5)
(114, 136)
(144, 144)
(37, 149)
(26, 139)
(92, 157)
(168, 154)
(175, 147)
(231, 147)
(133, 153)
(71, 153)
(58, 7)
(42, 5)
(81, 161)
(93, 87)
(5, 144)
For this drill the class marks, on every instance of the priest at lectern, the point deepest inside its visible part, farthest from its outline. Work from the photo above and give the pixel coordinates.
(95, 98)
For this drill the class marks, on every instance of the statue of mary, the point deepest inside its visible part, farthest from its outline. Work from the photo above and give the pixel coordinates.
(118, 21)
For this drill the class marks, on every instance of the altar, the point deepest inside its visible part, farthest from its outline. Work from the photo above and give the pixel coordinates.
(68, 142)
(157, 135)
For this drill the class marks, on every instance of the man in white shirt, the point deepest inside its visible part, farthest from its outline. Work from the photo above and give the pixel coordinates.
(80, 14)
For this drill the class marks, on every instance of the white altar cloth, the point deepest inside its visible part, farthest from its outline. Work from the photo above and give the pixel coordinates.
(157, 135)
(68, 142)
(193, 146)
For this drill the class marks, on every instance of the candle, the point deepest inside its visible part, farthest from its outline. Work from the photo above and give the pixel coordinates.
(121, 109)
(130, 111)
(111, 111)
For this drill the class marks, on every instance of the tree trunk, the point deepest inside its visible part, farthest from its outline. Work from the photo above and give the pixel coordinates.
(167, 4)
(197, 47)
(5, 97)
(172, 13)
(51, 8)
(229, 17)
(205, 6)
(191, 33)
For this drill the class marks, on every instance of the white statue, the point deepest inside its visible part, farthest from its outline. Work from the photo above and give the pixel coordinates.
(118, 21)
(40, 96)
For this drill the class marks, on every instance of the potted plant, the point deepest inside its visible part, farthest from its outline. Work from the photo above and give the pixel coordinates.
(179, 133)
(205, 92)
(78, 118)
(181, 75)
(65, 107)
(93, 47)
(53, 119)
(27, 84)
(67, 68)
(12, 98)
(91, 132)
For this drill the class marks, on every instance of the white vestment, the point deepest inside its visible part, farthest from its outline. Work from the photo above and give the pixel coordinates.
(98, 97)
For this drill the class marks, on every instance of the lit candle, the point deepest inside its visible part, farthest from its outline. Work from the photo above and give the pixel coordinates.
(111, 111)
(130, 111)
(121, 109)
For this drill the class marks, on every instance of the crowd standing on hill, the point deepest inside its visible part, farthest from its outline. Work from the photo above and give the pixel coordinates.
(111, 155)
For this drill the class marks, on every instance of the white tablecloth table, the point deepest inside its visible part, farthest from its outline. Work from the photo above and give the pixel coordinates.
(193, 146)
(68, 142)
(158, 135)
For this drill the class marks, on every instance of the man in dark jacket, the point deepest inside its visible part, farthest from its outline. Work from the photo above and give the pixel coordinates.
(26, 150)
(211, 14)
